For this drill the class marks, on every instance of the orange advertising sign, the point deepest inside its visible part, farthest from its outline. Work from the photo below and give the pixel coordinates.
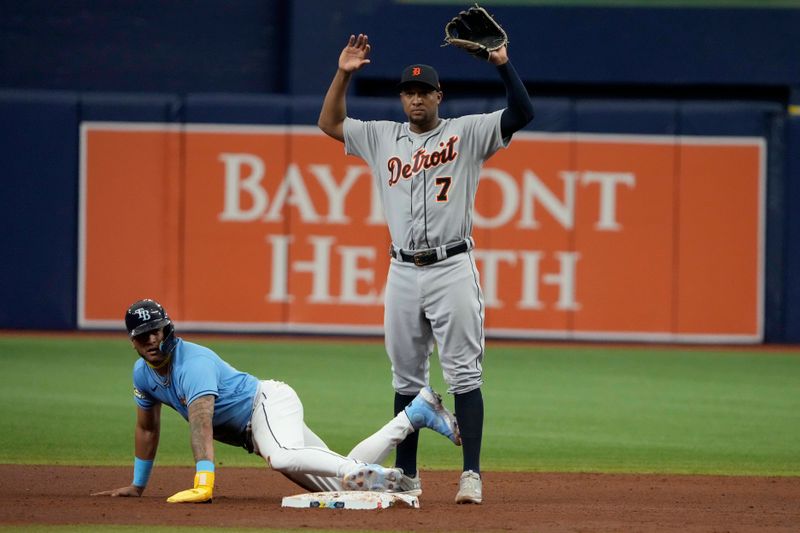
(274, 228)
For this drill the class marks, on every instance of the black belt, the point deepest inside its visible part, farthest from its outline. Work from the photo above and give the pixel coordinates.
(429, 257)
(248, 439)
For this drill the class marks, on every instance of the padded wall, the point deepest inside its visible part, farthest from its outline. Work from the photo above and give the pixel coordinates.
(791, 266)
(38, 203)
(42, 180)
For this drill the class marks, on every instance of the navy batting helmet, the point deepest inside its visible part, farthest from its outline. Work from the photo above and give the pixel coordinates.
(148, 315)
(145, 315)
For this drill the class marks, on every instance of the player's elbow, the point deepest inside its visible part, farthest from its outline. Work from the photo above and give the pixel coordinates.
(323, 124)
(516, 117)
(528, 113)
(331, 128)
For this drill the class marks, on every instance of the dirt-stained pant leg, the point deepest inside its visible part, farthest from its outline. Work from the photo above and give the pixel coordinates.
(408, 334)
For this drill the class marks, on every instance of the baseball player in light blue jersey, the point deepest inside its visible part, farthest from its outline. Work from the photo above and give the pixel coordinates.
(264, 417)
(426, 171)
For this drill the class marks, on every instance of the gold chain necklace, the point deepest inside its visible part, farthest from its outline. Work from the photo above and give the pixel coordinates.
(161, 380)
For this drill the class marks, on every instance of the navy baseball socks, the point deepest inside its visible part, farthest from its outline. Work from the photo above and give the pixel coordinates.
(406, 452)
(469, 411)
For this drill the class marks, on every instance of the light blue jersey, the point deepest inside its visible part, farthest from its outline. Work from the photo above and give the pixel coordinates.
(197, 371)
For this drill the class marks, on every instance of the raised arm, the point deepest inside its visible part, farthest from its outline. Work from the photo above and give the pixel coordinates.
(148, 430)
(520, 109)
(334, 107)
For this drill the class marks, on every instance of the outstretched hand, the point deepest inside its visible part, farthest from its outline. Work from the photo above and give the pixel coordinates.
(354, 55)
(129, 491)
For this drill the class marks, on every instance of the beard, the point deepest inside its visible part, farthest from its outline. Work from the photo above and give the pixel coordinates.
(421, 118)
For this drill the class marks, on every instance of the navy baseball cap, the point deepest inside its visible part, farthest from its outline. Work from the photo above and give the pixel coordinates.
(424, 74)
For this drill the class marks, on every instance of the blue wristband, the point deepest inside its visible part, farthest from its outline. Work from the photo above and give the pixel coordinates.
(205, 466)
(141, 471)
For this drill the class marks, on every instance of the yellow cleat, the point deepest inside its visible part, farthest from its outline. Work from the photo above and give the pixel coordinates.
(202, 492)
(201, 495)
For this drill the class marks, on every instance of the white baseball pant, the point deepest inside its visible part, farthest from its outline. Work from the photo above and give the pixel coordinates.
(282, 438)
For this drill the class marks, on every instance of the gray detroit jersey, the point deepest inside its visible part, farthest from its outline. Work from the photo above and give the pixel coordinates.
(427, 181)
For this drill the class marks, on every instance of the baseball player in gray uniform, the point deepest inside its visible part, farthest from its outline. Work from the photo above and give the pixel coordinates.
(427, 171)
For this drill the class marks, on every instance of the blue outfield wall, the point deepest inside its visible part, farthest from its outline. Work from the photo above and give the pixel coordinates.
(41, 198)
(39, 206)
(791, 206)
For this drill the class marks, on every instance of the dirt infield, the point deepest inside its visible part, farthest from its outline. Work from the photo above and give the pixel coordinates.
(251, 497)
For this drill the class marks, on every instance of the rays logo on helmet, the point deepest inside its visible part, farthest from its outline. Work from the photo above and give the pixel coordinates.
(146, 315)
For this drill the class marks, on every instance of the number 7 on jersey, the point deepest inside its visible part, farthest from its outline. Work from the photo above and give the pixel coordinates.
(444, 182)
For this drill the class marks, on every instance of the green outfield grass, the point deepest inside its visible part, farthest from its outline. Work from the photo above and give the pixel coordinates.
(68, 400)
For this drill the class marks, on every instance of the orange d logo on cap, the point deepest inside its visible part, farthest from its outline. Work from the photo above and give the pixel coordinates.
(421, 74)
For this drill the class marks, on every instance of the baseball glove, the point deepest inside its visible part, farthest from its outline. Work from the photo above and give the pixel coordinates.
(475, 31)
